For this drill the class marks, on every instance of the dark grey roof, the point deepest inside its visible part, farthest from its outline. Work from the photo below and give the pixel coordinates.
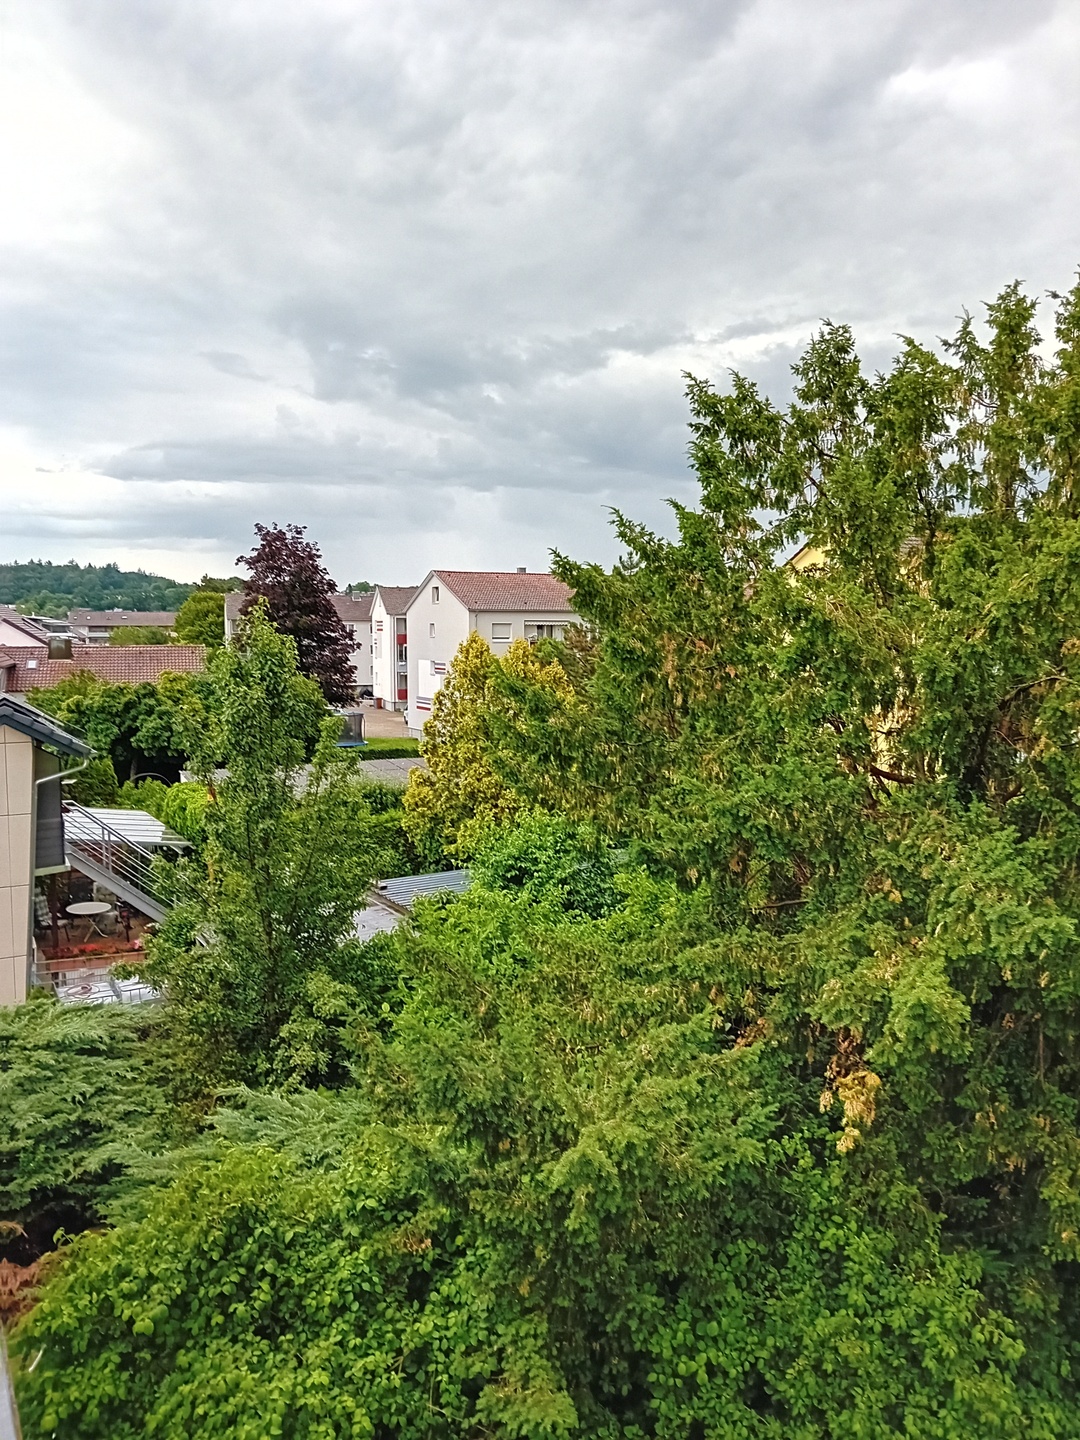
(28, 720)
(403, 889)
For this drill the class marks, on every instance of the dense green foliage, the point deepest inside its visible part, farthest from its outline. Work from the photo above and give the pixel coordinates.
(139, 635)
(461, 792)
(201, 619)
(769, 1132)
(76, 1095)
(42, 588)
(138, 728)
(259, 942)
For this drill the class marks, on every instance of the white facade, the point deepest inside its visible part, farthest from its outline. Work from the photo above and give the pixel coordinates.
(439, 620)
(389, 641)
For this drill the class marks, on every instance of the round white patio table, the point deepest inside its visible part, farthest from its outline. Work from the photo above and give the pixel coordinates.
(93, 910)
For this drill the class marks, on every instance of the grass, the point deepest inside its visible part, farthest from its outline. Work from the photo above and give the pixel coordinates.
(389, 747)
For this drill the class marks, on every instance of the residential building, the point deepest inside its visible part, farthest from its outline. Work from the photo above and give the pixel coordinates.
(24, 668)
(95, 627)
(501, 606)
(19, 631)
(354, 611)
(31, 829)
(390, 641)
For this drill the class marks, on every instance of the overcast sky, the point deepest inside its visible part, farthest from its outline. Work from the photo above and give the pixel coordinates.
(424, 276)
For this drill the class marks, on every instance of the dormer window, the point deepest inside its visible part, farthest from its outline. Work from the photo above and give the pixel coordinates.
(434, 594)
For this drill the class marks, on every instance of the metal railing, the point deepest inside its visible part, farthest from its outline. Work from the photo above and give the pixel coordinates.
(113, 860)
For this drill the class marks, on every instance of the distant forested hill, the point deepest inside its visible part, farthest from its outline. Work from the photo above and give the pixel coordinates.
(43, 588)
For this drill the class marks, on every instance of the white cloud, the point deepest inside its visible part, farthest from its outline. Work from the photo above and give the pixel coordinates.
(424, 274)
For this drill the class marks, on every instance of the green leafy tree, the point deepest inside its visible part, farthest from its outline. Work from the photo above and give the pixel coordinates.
(546, 859)
(39, 586)
(139, 727)
(461, 791)
(201, 619)
(786, 1143)
(221, 586)
(265, 914)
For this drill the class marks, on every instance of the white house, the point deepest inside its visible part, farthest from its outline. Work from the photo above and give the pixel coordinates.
(354, 612)
(390, 639)
(501, 606)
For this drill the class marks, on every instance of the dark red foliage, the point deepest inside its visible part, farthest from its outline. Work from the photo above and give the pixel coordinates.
(287, 571)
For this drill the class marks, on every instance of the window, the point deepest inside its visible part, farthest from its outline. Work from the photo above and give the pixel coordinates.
(434, 594)
(431, 630)
(378, 625)
(543, 632)
(501, 630)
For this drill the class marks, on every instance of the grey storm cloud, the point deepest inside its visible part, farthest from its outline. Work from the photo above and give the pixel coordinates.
(426, 276)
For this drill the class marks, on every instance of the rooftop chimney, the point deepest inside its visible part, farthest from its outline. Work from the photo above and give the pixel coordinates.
(521, 569)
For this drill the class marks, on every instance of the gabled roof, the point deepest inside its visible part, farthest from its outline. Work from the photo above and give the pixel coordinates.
(28, 720)
(35, 635)
(506, 590)
(395, 598)
(163, 619)
(354, 609)
(127, 664)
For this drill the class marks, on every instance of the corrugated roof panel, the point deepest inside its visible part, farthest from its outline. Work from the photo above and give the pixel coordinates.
(403, 889)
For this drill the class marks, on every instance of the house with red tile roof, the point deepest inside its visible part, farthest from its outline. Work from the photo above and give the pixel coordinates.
(25, 668)
(500, 605)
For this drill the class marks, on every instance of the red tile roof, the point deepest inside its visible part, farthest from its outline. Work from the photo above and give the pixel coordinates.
(129, 664)
(507, 590)
(163, 619)
(395, 598)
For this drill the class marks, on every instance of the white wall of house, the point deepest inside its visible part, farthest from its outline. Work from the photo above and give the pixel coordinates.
(438, 623)
(361, 657)
(16, 862)
(389, 656)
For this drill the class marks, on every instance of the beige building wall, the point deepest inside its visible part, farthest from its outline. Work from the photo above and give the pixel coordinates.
(16, 861)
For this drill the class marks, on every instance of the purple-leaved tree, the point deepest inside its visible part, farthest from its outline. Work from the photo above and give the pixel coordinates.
(288, 573)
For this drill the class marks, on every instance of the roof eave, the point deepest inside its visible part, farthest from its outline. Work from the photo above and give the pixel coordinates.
(34, 723)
